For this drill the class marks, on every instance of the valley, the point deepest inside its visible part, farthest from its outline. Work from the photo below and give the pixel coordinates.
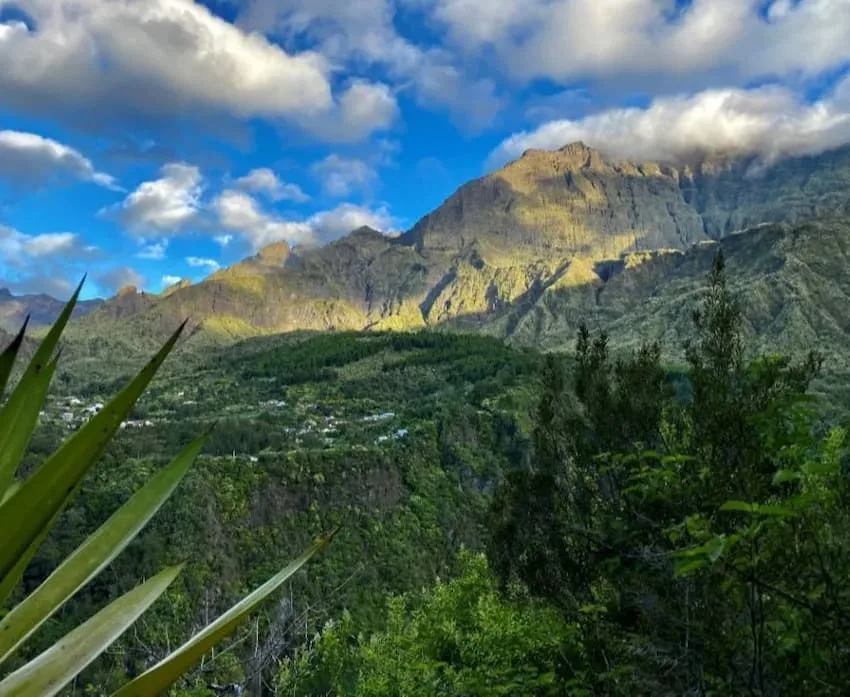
(397, 386)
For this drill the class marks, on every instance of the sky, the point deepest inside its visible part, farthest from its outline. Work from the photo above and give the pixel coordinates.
(147, 141)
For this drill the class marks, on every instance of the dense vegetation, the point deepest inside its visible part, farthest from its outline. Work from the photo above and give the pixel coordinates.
(661, 541)
(398, 437)
(599, 524)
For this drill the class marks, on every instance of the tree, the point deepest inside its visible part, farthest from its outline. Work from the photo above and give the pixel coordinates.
(460, 637)
(625, 514)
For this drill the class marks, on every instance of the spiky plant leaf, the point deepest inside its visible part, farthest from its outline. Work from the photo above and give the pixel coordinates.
(10, 354)
(156, 680)
(49, 672)
(93, 555)
(22, 414)
(22, 399)
(35, 504)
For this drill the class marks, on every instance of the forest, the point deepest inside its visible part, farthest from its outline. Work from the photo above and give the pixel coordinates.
(512, 523)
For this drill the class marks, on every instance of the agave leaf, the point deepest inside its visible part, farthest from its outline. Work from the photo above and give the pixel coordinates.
(156, 680)
(36, 503)
(48, 673)
(21, 401)
(7, 359)
(99, 549)
(11, 579)
(21, 415)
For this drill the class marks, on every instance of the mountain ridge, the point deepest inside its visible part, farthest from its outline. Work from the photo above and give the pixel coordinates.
(550, 224)
(41, 308)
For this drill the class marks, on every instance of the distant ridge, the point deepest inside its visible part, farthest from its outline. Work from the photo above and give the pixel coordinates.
(527, 251)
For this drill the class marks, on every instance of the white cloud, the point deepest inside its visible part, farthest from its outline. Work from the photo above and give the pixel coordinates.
(362, 109)
(19, 249)
(164, 205)
(51, 284)
(154, 251)
(113, 280)
(771, 121)
(28, 158)
(477, 22)
(264, 180)
(340, 176)
(620, 40)
(168, 280)
(239, 212)
(362, 32)
(203, 263)
(223, 240)
(156, 58)
(347, 217)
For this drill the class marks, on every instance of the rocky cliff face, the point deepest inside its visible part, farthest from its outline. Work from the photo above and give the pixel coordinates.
(544, 222)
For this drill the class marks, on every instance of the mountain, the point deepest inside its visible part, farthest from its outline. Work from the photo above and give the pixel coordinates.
(42, 309)
(526, 250)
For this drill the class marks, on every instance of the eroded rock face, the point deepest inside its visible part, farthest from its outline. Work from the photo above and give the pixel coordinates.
(544, 222)
(575, 202)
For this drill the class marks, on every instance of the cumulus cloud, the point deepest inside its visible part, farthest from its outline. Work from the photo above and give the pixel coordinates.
(164, 205)
(203, 263)
(264, 180)
(362, 109)
(771, 122)
(332, 224)
(223, 240)
(241, 213)
(340, 175)
(733, 40)
(363, 32)
(49, 284)
(113, 280)
(19, 249)
(155, 251)
(156, 58)
(51, 263)
(31, 159)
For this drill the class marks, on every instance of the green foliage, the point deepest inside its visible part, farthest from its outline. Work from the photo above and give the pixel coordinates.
(287, 460)
(708, 525)
(459, 637)
(653, 529)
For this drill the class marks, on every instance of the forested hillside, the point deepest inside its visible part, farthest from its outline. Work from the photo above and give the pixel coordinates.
(399, 438)
(600, 522)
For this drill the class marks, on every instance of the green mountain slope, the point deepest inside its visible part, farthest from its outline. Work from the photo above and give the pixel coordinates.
(521, 253)
(791, 280)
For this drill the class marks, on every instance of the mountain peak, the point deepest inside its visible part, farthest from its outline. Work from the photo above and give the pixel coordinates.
(572, 156)
(274, 254)
(364, 231)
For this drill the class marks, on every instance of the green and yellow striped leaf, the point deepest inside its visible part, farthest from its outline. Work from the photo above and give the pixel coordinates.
(156, 680)
(34, 505)
(48, 673)
(93, 555)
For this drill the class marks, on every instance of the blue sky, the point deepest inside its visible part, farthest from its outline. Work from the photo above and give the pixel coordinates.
(149, 141)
